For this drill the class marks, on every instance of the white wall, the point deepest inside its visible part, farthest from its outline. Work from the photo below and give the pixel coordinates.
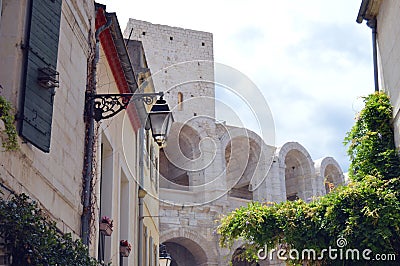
(388, 35)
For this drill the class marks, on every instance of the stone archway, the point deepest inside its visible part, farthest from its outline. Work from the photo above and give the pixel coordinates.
(175, 159)
(184, 252)
(194, 244)
(248, 160)
(299, 171)
(242, 156)
(329, 173)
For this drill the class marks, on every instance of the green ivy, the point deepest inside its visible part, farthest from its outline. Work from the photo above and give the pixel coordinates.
(34, 240)
(366, 212)
(10, 143)
(371, 140)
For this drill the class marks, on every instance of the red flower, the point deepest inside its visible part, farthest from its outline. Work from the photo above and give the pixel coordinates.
(107, 220)
(125, 243)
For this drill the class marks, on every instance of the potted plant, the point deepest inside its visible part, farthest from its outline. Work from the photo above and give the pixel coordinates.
(9, 140)
(124, 248)
(106, 225)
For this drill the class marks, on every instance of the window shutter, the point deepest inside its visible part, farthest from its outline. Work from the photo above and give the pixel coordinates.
(42, 50)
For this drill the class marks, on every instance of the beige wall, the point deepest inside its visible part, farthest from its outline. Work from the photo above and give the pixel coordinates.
(388, 35)
(55, 178)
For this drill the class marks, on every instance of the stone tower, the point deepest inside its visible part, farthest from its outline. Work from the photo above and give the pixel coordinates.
(210, 168)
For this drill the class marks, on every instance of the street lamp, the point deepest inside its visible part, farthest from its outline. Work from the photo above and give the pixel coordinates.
(104, 106)
(164, 257)
(160, 119)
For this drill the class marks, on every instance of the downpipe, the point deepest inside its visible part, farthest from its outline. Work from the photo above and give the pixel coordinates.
(88, 159)
(372, 23)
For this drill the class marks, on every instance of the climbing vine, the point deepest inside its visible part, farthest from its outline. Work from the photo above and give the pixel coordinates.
(365, 213)
(9, 139)
(32, 239)
(371, 140)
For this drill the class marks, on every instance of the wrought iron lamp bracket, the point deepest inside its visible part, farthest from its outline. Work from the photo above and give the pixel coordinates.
(108, 105)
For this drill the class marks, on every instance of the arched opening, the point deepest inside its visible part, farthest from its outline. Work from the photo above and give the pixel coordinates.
(241, 158)
(238, 260)
(329, 174)
(179, 254)
(332, 178)
(174, 173)
(298, 176)
(185, 252)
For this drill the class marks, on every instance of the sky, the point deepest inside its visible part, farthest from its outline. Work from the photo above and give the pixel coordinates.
(309, 58)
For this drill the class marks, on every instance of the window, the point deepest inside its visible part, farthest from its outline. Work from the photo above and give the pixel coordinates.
(151, 253)
(155, 251)
(42, 50)
(151, 163)
(147, 145)
(1, 8)
(145, 245)
(180, 101)
(106, 194)
(157, 175)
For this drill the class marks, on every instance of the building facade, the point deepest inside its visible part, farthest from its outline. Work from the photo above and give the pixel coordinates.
(53, 55)
(209, 168)
(387, 29)
(38, 37)
(127, 180)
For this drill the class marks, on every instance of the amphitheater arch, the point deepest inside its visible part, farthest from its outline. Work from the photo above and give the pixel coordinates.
(329, 173)
(247, 161)
(242, 157)
(176, 158)
(299, 172)
(188, 247)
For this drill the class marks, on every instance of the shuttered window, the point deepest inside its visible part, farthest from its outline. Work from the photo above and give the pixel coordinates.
(42, 49)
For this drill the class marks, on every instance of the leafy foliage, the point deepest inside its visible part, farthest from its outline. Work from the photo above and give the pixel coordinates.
(366, 212)
(34, 240)
(10, 142)
(371, 142)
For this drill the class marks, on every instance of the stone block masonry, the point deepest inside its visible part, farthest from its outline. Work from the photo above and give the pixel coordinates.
(180, 62)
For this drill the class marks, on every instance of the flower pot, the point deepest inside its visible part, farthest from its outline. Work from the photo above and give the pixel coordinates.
(105, 229)
(124, 251)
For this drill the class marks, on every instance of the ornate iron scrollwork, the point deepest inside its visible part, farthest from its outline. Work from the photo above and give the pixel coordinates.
(108, 105)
